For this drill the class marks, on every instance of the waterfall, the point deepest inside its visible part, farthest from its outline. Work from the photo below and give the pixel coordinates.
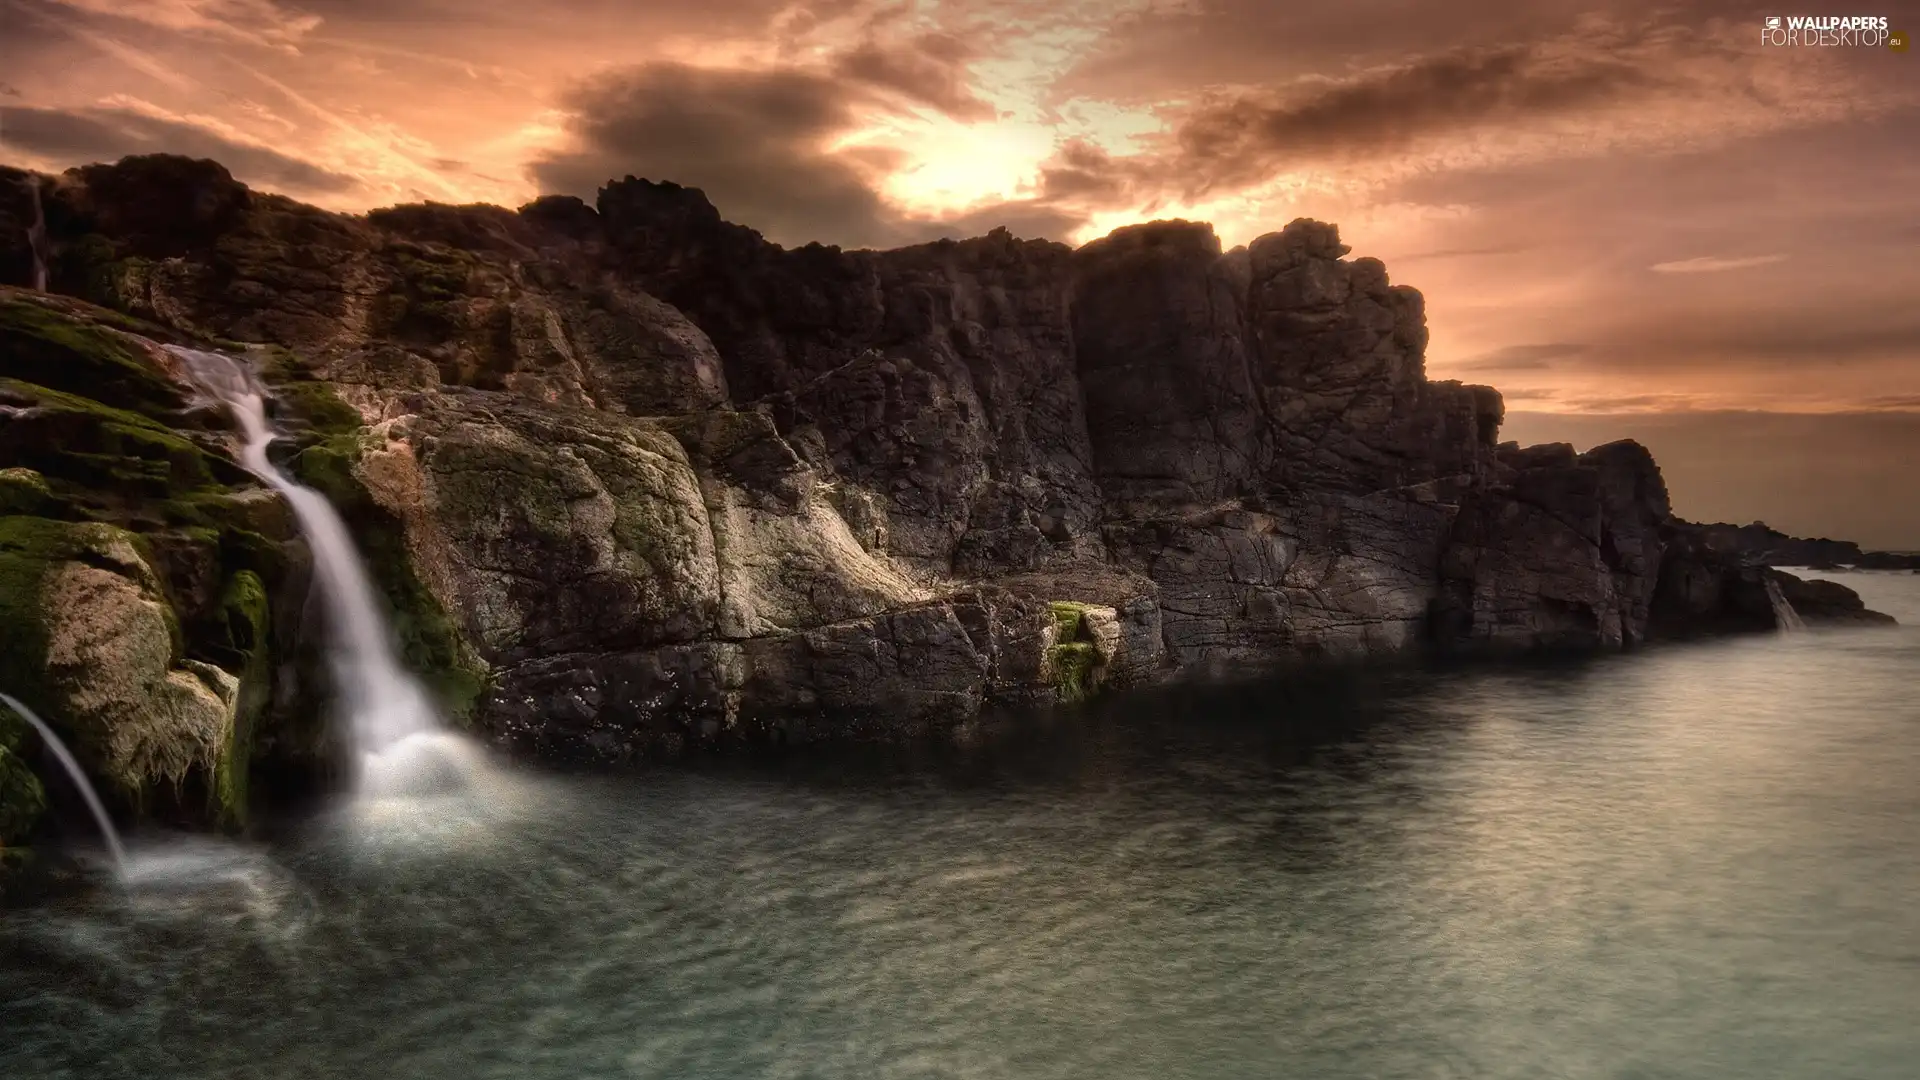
(37, 236)
(394, 728)
(79, 779)
(1785, 619)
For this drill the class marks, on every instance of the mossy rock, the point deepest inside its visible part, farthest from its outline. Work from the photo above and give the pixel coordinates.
(1073, 665)
(29, 549)
(90, 640)
(319, 406)
(301, 396)
(24, 491)
(1074, 659)
(62, 352)
(1067, 616)
(83, 443)
(248, 632)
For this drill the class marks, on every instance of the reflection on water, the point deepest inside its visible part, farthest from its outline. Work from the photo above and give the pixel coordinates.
(1693, 862)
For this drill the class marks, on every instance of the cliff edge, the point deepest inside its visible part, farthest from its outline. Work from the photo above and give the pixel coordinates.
(638, 480)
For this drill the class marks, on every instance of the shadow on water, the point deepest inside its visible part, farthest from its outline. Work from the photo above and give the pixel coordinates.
(1267, 725)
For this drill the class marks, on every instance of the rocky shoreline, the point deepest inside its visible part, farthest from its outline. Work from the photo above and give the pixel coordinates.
(636, 481)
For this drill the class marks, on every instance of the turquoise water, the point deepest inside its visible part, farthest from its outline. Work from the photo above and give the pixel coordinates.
(1698, 861)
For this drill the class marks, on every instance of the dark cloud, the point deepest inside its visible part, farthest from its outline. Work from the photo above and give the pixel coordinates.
(754, 141)
(1034, 218)
(1082, 170)
(1433, 99)
(759, 144)
(1809, 474)
(1521, 357)
(927, 70)
(1241, 140)
(1168, 50)
(80, 136)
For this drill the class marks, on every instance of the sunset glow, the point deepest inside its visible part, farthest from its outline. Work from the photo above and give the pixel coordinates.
(1687, 209)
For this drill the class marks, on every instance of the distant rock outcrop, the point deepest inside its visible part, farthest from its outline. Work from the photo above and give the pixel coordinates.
(1768, 546)
(638, 480)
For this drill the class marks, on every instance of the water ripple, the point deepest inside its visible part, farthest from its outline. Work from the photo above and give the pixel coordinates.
(1694, 862)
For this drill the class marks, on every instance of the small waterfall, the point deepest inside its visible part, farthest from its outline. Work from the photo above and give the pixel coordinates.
(79, 779)
(37, 236)
(1785, 619)
(395, 730)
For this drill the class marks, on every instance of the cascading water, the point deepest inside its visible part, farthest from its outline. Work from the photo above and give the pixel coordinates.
(37, 236)
(60, 751)
(1785, 619)
(395, 730)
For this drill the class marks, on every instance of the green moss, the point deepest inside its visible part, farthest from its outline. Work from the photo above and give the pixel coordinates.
(23, 491)
(1073, 660)
(298, 393)
(29, 548)
(318, 405)
(1066, 617)
(62, 352)
(85, 442)
(244, 606)
(1072, 665)
(247, 626)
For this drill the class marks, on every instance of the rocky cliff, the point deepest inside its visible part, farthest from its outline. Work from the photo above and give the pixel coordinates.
(635, 479)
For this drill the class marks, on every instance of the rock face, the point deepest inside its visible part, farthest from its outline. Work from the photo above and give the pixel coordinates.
(636, 480)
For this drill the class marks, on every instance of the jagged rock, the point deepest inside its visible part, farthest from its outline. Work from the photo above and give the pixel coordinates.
(1827, 602)
(661, 484)
(1768, 546)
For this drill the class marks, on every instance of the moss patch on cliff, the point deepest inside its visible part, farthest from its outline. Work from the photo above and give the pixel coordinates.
(1073, 661)
(24, 491)
(1072, 665)
(29, 546)
(430, 642)
(78, 440)
(1067, 616)
(297, 394)
(247, 624)
(59, 351)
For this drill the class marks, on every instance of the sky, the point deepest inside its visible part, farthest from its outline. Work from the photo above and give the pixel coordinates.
(1625, 214)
